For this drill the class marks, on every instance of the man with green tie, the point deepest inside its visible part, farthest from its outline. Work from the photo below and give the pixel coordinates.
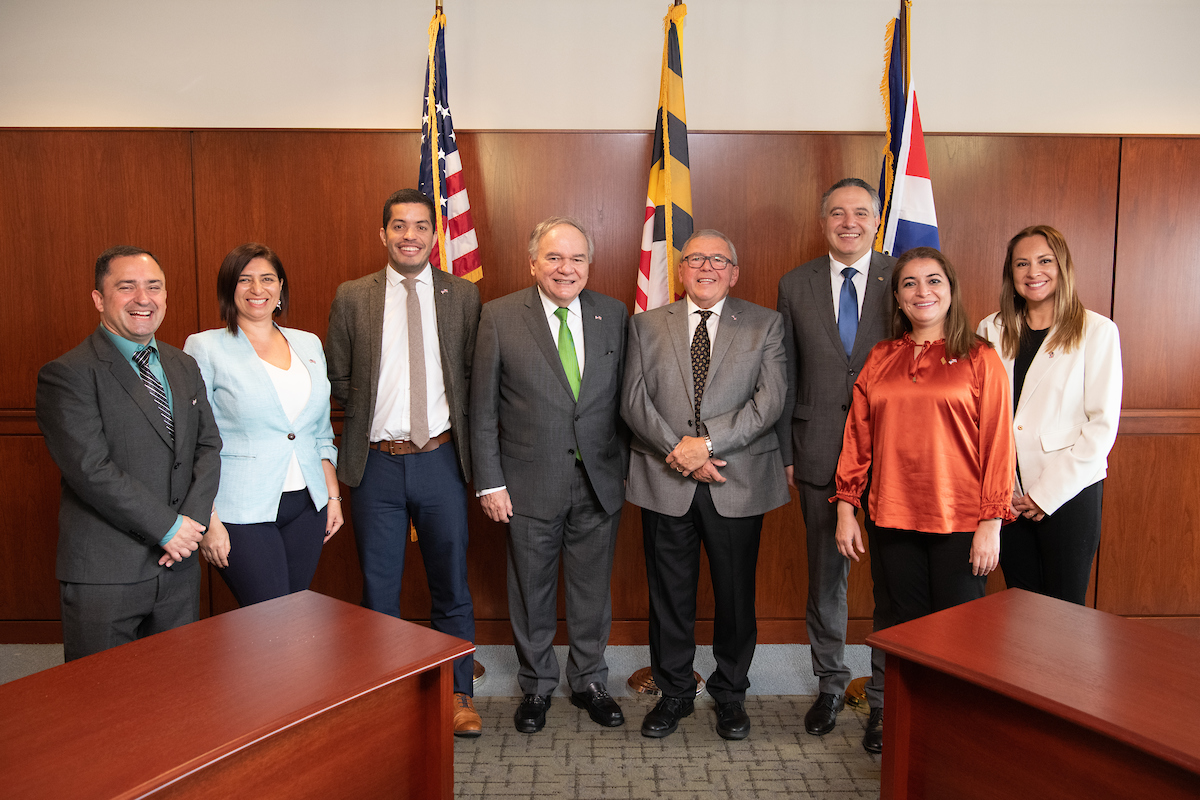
(550, 454)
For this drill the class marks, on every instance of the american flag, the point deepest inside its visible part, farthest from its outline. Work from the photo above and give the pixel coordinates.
(909, 218)
(668, 220)
(456, 231)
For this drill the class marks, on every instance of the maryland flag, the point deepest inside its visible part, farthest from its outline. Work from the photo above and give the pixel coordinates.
(908, 217)
(668, 221)
(441, 178)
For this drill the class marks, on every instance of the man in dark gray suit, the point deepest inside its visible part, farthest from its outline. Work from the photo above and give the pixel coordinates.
(704, 385)
(399, 352)
(835, 309)
(127, 421)
(550, 455)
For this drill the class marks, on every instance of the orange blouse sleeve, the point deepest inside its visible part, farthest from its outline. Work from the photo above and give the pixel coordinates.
(997, 450)
(854, 463)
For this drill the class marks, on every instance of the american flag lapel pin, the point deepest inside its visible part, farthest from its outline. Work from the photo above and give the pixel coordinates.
(445, 290)
(599, 317)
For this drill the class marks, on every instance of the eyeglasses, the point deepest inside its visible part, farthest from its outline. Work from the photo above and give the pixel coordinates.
(696, 261)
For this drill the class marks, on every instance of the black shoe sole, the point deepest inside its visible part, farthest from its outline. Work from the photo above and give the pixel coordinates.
(733, 736)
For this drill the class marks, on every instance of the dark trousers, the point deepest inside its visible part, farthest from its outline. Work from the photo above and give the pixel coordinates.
(672, 547)
(1054, 557)
(825, 616)
(97, 616)
(584, 536)
(272, 559)
(927, 572)
(428, 488)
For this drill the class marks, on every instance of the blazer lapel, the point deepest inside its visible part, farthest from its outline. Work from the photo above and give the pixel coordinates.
(1042, 362)
(727, 329)
(131, 382)
(872, 307)
(374, 331)
(822, 291)
(677, 327)
(593, 337)
(177, 377)
(539, 328)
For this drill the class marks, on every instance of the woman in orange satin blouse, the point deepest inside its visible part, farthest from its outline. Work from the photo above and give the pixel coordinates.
(931, 430)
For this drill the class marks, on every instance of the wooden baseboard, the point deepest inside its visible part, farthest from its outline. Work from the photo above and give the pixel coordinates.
(31, 631)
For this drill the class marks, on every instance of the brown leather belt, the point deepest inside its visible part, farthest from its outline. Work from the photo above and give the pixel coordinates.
(403, 447)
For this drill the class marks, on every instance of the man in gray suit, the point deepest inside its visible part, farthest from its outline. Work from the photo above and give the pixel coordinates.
(835, 309)
(127, 421)
(704, 386)
(550, 457)
(399, 351)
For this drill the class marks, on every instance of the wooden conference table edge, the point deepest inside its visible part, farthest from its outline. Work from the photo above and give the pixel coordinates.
(1000, 603)
(434, 659)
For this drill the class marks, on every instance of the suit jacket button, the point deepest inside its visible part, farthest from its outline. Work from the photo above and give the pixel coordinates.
(571, 452)
(291, 436)
(689, 423)
(851, 373)
(178, 464)
(175, 501)
(577, 418)
(843, 408)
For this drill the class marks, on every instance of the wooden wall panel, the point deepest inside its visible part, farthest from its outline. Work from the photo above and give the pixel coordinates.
(989, 187)
(65, 197)
(1158, 260)
(1149, 560)
(28, 588)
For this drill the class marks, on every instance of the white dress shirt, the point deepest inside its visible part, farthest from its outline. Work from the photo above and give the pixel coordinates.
(391, 418)
(574, 324)
(293, 385)
(859, 280)
(713, 321)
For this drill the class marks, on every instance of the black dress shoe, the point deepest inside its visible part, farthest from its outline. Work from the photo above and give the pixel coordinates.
(664, 718)
(531, 714)
(821, 718)
(599, 704)
(732, 720)
(873, 738)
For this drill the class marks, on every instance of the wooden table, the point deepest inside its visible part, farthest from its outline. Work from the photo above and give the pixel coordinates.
(303, 696)
(1022, 696)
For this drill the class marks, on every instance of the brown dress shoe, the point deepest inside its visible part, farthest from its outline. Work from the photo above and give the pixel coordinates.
(466, 720)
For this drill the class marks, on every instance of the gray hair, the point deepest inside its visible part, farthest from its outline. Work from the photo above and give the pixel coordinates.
(550, 223)
(713, 234)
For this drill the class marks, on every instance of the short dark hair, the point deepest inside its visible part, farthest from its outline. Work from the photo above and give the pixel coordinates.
(120, 251)
(846, 183)
(407, 196)
(231, 270)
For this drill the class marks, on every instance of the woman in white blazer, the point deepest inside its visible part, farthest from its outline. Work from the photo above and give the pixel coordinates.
(1065, 366)
(278, 500)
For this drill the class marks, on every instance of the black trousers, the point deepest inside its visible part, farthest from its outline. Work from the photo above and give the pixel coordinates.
(927, 572)
(273, 559)
(1054, 557)
(672, 546)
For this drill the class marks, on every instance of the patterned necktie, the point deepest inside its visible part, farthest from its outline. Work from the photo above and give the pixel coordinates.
(701, 352)
(142, 359)
(848, 310)
(418, 397)
(566, 351)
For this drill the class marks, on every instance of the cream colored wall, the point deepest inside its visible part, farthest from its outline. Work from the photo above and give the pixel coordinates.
(1050, 66)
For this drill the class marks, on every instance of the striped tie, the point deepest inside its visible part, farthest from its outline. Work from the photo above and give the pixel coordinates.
(142, 359)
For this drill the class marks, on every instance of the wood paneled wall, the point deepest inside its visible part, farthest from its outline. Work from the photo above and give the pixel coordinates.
(1126, 205)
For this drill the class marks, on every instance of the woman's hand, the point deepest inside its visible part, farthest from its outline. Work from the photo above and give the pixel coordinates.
(985, 547)
(215, 543)
(333, 518)
(848, 534)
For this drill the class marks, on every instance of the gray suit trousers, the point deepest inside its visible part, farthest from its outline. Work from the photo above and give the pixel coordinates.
(825, 617)
(586, 537)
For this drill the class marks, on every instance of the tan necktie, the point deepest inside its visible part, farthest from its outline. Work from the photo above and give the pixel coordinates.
(418, 397)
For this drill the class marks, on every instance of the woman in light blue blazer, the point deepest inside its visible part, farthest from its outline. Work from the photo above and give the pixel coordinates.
(278, 502)
(1064, 364)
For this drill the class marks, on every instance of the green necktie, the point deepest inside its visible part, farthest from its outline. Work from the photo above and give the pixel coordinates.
(566, 352)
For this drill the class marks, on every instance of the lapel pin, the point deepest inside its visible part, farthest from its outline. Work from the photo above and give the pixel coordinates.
(446, 290)
(598, 317)
(733, 316)
(1050, 354)
(193, 401)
